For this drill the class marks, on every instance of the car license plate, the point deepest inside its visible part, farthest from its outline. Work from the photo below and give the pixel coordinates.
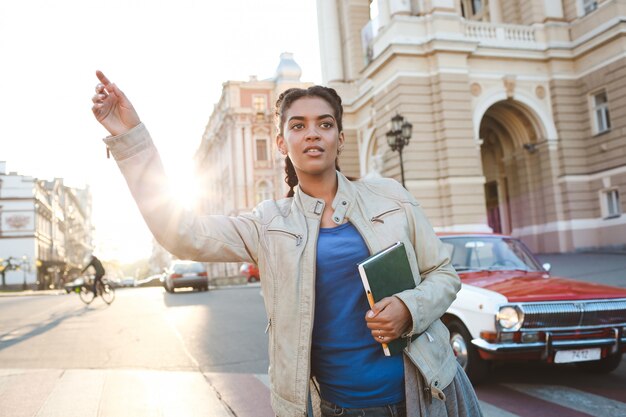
(578, 355)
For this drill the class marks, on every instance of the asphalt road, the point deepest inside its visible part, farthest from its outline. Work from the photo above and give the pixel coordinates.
(220, 335)
(216, 331)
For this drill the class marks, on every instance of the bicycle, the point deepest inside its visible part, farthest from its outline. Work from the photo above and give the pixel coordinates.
(84, 290)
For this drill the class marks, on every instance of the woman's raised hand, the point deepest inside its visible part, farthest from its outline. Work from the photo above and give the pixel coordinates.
(111, 107)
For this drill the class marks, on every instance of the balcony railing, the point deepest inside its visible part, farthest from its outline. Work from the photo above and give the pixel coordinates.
(486, 33)
(499, 33)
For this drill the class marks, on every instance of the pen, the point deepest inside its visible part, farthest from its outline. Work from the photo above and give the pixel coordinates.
(370, 299)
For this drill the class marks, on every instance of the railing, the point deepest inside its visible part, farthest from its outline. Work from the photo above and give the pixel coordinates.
(495, 32)
(368, 33)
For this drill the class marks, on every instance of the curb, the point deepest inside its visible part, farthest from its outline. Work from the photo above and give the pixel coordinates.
(31, 292)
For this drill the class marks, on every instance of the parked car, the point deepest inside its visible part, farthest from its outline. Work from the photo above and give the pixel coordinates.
(155, 280)
(511, 309)
(250, 271)
(128, 282)
(115, 282)
(183, 274)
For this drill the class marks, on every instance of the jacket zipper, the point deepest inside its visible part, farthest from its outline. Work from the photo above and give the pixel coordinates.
(312, 315)
(377, 218)
(297, 236)
(269, 324)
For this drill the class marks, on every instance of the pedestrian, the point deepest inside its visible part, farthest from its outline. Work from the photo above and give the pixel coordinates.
(98, 269)
(324, 340)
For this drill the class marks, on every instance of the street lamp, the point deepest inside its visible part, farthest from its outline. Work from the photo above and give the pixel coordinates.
(398, 137)
(24, 268)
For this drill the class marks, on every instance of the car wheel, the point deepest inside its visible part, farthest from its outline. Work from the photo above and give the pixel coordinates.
(603, 366)
(466, 353)
(167, 287)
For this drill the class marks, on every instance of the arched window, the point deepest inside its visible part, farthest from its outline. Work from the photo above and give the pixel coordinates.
(263, 191)
(261, 149)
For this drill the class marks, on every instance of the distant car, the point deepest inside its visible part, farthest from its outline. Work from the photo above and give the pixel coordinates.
(155, 280)
(115, 282)
(127, 282)
(511, 309)
(77, 283)
(250, 271)
(182, 274)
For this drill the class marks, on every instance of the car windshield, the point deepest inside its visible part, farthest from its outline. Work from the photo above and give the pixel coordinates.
(489, 253)
(187, 268)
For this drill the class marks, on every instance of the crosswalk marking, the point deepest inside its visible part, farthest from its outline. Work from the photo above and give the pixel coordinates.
(493, 411)
(586, 402)
(525, 400)
(264, 378)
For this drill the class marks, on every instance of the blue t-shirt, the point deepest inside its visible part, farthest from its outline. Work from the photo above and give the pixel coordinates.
(349, 364)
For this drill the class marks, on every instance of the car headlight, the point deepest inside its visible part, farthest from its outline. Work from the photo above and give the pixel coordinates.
(509, 318)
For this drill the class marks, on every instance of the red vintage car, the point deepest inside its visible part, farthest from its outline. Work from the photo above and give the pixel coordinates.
(511, 309)
(250, 271)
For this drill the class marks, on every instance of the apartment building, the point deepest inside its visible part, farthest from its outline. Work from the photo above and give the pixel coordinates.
(237, 162)
(517, 107)
(45, 230)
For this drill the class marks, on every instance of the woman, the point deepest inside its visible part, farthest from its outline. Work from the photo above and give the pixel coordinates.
(325, 343)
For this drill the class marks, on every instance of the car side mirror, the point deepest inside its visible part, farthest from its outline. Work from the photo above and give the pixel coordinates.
(547, 266)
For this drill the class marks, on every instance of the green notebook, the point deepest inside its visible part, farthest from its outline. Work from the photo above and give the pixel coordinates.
(384, 274)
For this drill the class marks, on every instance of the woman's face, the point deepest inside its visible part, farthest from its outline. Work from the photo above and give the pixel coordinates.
(310, 137)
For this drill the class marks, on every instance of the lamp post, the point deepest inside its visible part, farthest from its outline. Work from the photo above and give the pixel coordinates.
(398, 137)
(24, 268)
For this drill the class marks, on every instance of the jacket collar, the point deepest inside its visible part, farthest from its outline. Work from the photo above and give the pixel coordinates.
(342, 203)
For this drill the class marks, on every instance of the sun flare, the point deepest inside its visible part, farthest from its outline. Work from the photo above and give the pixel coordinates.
(183, 188)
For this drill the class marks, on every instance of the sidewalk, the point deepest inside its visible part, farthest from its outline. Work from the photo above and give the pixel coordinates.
(602, 268)
(31, 292)
(107, 393)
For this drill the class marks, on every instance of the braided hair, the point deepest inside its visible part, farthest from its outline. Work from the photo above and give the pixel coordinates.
(284, 102)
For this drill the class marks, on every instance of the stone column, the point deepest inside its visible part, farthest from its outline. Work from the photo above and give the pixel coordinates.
(401, 7)
(383, 13)
(330, 41)
(553, 10)
(495, 11)
(431, 6)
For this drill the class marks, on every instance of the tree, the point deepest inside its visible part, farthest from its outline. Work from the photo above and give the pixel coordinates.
(7, 265)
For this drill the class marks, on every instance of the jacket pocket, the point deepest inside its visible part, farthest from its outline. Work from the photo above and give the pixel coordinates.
(430, 352)
(285, 249)
(298, 238)
(380, 217)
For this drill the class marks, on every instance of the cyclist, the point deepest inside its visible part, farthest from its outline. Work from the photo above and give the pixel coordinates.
(97, 266)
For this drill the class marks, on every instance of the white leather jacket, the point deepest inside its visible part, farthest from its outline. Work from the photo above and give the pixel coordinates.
(280, 237)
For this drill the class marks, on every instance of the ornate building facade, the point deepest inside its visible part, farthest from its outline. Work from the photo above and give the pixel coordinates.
(519, 123)
(45, 230)
(237, 162)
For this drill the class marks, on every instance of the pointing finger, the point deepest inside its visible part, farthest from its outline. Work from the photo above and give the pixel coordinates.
(103, 78)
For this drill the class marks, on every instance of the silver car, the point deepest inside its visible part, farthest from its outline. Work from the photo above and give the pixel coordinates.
(182, 274)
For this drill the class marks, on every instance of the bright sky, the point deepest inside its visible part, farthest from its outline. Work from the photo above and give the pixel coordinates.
(170, 57)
